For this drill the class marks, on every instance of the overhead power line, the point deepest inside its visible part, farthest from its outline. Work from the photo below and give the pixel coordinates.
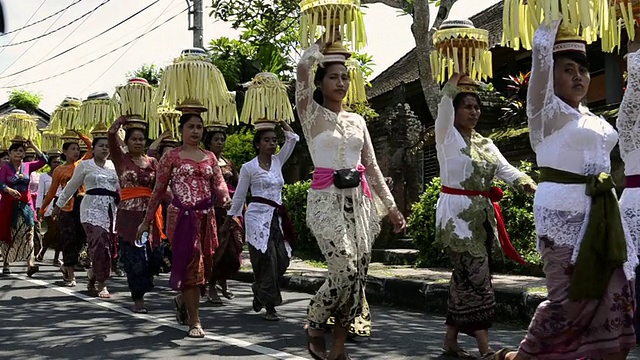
(58, 29)
(82, 43)
(41, 20)
(32, 44)
(31, 17)
(99, 57)
(127, 50)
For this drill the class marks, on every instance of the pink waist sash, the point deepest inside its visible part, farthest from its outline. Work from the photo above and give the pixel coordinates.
(323, 178)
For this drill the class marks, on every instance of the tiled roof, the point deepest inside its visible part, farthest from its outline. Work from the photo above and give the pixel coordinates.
(42, 116)
(405, 70)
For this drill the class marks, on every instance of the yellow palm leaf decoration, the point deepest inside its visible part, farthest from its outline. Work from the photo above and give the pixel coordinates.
(65, 115)
(319, 17)
(461, 48)
(266, 102)
(19, 123)
(96, 110)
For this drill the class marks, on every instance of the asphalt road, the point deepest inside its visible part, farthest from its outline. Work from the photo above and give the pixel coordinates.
(43, 320)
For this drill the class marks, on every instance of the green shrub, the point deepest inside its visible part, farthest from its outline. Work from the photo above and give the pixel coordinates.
(517, 208)
(239, 148)
(24, 100)
(422, 227)
(294, 197)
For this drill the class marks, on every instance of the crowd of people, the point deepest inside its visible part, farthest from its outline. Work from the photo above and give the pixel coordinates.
(122, 202)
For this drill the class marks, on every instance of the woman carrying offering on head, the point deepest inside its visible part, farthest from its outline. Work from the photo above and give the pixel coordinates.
(469, 222)
(69, 216)
(196, 182)
(98, 210)
(628, 123)
(52, 238)
(588, 263)
(348, 194)
(137, 175)
(17, 211)
(268, 229)
(227, 259)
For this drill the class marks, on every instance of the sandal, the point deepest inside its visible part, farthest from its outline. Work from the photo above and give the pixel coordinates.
(458, 354)
(315, 341)
(489, 355)
(226, 293)
(32, 270)
(196, 332)
(104, 293)
(139, 311)
(181, 312)
(215, 301)
(271, 316)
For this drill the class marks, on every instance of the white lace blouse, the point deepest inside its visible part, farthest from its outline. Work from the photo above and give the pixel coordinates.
(469, 163)
(94, 209)
(629, 128)
(43, 187)
(265, 184)
(564, 138)
(337, 141)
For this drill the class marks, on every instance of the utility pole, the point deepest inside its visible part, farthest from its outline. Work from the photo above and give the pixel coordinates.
(196, 21)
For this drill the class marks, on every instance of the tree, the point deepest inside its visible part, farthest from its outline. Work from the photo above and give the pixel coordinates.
(24, 100)
(239, 61)
(422, 33)
(274, 20)
(514, 113)
(149, 72)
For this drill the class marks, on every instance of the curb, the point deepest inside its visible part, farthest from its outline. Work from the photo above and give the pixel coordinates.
(425, 296)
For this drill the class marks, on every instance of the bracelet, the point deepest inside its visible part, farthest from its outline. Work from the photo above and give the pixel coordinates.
(450, 90)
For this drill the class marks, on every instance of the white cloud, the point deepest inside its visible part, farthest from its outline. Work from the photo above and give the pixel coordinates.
(389, 38)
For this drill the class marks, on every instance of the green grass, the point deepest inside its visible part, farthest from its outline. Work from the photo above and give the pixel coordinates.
(316, 263)
(541, 289)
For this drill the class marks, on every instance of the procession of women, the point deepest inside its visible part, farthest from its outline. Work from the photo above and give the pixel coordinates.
(137, 180)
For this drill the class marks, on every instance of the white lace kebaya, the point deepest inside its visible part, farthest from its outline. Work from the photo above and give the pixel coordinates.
(345, 222)
(265, 184)
(94, 209)
(629, 130)
(569, 139)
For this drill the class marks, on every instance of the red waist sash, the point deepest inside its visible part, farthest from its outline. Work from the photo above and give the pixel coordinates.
(494, 196)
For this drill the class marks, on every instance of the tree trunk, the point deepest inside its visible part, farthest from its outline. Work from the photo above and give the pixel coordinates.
(423, 36)
(424, 44)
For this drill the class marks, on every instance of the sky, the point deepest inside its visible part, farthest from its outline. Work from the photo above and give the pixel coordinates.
(389, 38)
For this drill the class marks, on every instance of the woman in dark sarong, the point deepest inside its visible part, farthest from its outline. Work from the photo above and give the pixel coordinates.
(269, 250)
(588, 262)
(17, 211)
(69, 218)
(137, 175)
(52, 238)
(468, 220)
(226, 260)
